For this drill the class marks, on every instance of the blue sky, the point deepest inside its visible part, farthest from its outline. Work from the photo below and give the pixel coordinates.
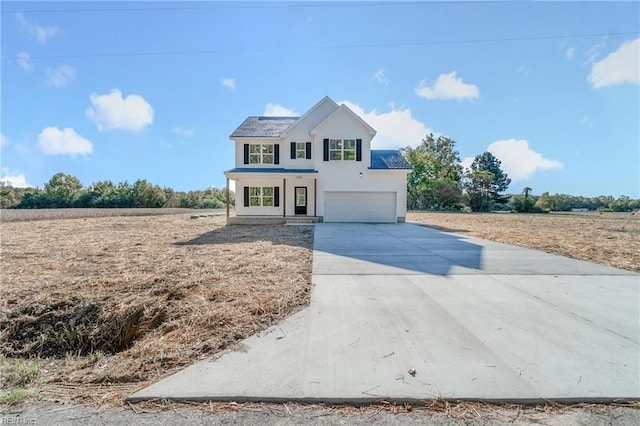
(152, 90)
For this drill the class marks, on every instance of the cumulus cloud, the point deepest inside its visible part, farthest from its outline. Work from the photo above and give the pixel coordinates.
(41, 34)
(618, 67)
(229, 83)
(448, 86)
(518, 159)
(59, 77)
(380, 78)
(15, 180)
(4, 141)
(277, 110)
(112, 111)
(53, 141)
(396, 128)
(571, 52)
(180, 131)
(24, 61)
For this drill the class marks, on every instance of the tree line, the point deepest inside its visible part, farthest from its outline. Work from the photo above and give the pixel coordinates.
(66, 191)
(439, 182)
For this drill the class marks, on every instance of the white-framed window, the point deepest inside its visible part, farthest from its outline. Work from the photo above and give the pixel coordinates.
(342, 149)
(261, 196)
(301, 150)
(261, 153)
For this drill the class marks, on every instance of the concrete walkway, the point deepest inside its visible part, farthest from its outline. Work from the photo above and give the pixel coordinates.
(406, 313)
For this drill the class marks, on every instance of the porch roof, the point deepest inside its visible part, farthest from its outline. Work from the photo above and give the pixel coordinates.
(271, 170)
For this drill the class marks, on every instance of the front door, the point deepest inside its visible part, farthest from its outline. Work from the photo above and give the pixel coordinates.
(301, 200)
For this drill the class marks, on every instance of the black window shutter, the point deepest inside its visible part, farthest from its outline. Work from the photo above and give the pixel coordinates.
(246, 153)
(326, 149)
(246, 196)
(308, 151)
(358, 149)
(276, 154)
(293, 150)
(276, 196)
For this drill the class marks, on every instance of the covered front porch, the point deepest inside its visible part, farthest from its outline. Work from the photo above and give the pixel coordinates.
(273, 196)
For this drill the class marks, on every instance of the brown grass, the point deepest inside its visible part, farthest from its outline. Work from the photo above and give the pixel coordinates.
(109, 304)
(19, 215)
(608, 238)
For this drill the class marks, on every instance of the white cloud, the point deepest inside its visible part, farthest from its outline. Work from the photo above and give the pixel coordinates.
(380, 78)
(4, 141)
(396, 128)
(24, 61)
(523, 69)
(448, 86)
(59, 77)
(571, 52)
(620, 66)
(14, 180)
(40, 33)
(277, 110)
(54, 141)
(519, 161)
(594, 51)
(229, 83)
(180, 131)
(113, 112)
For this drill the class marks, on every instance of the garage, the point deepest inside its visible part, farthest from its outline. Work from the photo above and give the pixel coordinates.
(372, 207)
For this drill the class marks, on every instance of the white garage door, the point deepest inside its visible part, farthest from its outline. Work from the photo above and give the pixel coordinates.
(374, 207)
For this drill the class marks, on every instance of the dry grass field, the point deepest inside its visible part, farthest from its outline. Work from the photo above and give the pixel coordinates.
(608, 238)
(92, 308)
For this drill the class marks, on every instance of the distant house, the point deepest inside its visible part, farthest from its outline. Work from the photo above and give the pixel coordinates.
(319, 167)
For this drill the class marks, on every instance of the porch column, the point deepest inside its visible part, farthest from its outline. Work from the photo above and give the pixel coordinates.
(227, 194)
(315, 197)
(284, 197)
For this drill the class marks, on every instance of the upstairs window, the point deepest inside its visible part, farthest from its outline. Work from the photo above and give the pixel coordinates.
(300, 150)
(261, 153)
(342, 149)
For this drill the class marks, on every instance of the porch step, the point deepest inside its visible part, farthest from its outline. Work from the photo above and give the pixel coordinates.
(301, 220)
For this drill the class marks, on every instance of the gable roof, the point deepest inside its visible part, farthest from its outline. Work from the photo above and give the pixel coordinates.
(263, 127)
(385, 159)
(344, 108)
(325, 100)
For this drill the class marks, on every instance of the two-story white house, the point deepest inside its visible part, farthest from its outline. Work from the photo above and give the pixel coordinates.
(319, 166)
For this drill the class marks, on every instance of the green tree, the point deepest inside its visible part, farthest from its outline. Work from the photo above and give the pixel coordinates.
(543, 202)
(485, 180)
(147, 195)
(524, 203)
(62, 190)
(434, 182)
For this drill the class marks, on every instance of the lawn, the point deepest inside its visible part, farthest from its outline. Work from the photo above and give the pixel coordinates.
(607, 238)
(100, 306)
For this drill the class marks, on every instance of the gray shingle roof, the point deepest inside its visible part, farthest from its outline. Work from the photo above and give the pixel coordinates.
(382, 159)
(263, 127)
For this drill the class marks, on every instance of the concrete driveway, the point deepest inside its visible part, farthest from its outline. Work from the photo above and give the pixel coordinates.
(406, 313)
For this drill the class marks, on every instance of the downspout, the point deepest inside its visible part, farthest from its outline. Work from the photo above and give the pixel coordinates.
(315, 197)
(284, 197)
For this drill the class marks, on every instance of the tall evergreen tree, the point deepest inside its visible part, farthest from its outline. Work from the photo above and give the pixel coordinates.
(485, 181)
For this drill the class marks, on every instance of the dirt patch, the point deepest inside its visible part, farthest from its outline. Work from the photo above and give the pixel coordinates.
(114, 303)
(608, 238)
